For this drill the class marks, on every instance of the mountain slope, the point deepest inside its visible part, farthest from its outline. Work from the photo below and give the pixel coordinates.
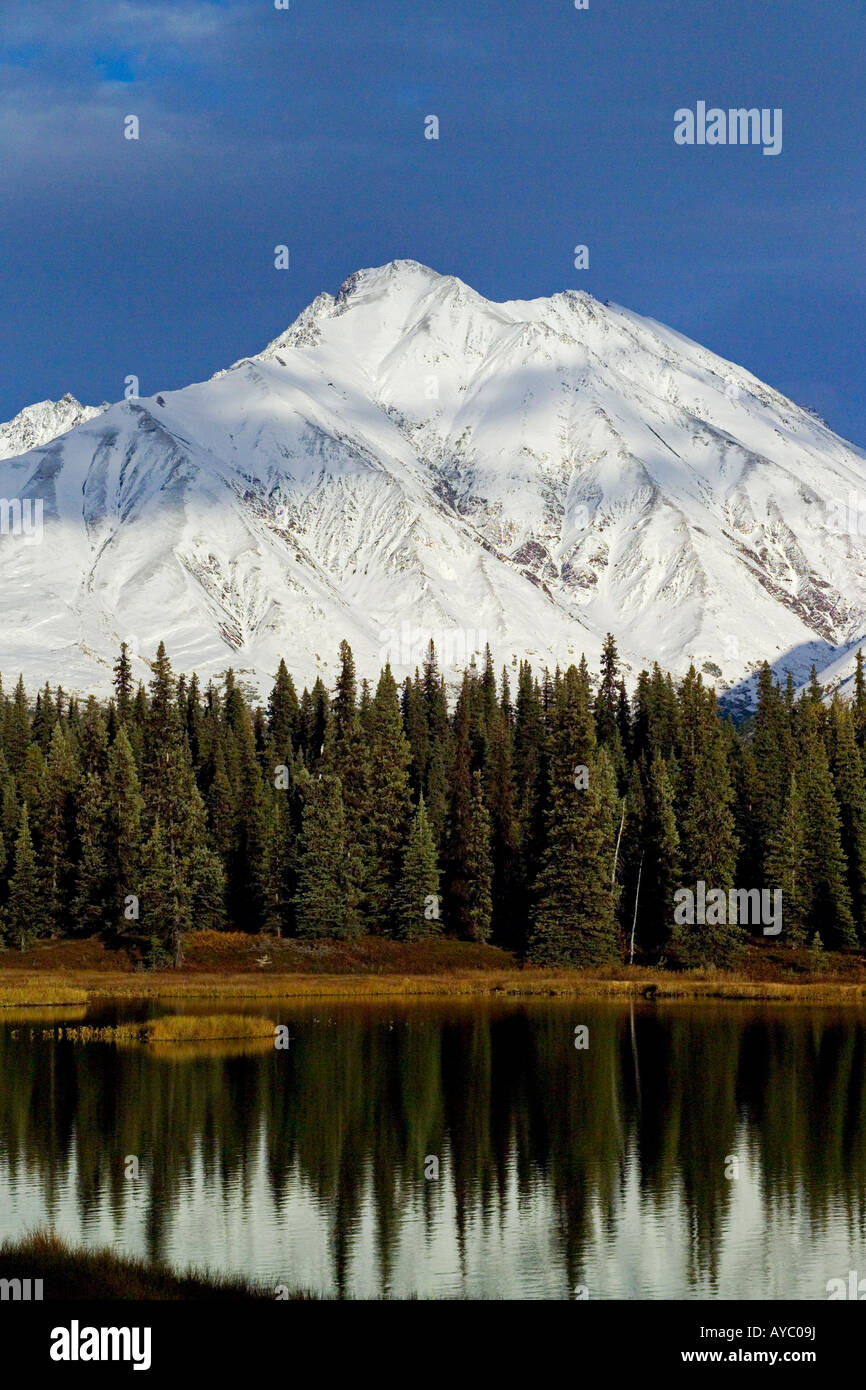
(45, 420)
(410, 459)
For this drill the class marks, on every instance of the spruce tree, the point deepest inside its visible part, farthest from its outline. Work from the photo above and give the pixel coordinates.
(824, 859)
(748, 828)
(33, 788)
(91, 909)
(93, 739)
(478, 901)
(9, 811)
(44, 718)
(193, 718)
(508, 903)
(661, 874)
(630, 859)
(416, 731)
(234, 708)
(25, 911)
(436, 790)
(123, 685)
(574, 921)
(178, 859)
(325, 903)
(316, 723)
(774, 752)
(124, 808)
(850, 789)
(182, 885)
(859, 706)
(348, 754)
(785, 866)
(164, 905)
(220, 806)
(607, 710)
(709, 848)
(418, 908)
(530, 773)
(707, 833)
(16, 730)
(59, 843)
(283, 862)
(249, 869)
(390, 806)
(283, 713)
(457, 831)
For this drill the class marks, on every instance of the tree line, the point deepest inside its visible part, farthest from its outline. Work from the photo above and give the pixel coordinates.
(554, 814)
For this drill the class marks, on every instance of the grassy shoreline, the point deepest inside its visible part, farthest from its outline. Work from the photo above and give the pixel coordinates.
(231, 966)
(643, 985)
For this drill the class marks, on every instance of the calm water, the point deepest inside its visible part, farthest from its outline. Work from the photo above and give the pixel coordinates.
(610, 1168)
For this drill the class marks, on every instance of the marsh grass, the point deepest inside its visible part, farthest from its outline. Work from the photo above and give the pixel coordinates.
(174, 1029)
(77, 1273)
(228, 968)
(33, 993)
(208, 1027)
(620, 983)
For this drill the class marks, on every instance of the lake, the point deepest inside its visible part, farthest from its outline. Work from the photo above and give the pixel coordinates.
(462, 1149)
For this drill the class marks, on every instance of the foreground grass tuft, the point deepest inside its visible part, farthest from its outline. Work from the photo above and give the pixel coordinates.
(71, 1273)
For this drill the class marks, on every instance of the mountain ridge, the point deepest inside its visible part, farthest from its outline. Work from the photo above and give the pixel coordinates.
(409, 456)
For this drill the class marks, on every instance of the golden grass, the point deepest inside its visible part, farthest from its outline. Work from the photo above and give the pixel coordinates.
(174, 1028)
(523, 984)
(207, 1027)
(759, 979)
(45, 990)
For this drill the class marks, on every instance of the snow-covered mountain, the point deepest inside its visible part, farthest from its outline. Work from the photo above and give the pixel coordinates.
(410, 459)
(43, 421)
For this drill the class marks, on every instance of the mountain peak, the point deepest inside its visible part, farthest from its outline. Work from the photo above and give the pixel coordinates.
(393, 289)
(410, 459)
(43, 421)
(385, 279)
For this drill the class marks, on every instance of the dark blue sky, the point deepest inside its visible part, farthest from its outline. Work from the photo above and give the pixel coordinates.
(306, 127)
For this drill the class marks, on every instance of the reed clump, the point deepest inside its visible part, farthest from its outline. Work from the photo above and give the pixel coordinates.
(208, 1027)
(15, 994)
(173, 1028)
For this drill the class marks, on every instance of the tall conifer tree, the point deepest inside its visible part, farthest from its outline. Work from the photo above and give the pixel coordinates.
(574, 922)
